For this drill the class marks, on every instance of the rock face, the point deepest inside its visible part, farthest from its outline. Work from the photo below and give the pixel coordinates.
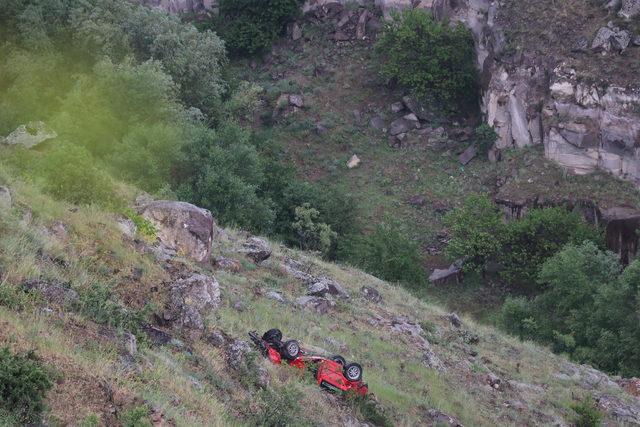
(30, 135)
(191, 299)
(199, 7)
(182, 227)
(256, 248)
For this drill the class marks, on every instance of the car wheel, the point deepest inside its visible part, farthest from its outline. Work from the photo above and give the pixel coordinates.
(339, 359)
(272, 336)
(353, 372)
(290, 350)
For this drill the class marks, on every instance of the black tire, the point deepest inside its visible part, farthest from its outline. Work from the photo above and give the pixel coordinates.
(339, 359)
(290, 350)
(353, 372)
(273, 336)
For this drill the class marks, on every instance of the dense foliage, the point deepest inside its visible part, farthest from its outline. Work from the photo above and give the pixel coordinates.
(589, 309)
(433, 59)
(24, 383)
(486, 136)
(250, 26)
(389, 253)
(518, 248)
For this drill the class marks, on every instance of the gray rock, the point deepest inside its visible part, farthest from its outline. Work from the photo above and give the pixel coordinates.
(296, 101)
(379, 123)
(127, 227)
(54, 292)
(636, 40)
(182, 227)
(319, 304)
(455, 320)
(5, 199)
(361, 27)
(623, 412)
(30, 135)
(130, 343)
(442, 276)
(157, 336)
(228, 264)
(370, 293)
(236, 353)
(602, 40)
(256, 248)
(416, 108)
(216, 338)
(400, 126)
(296, 32)
(629, 9)
(439, 418)
(325, 287)
(396, 107)
(276, 296)
(581, 45)
(297, 270)
(191, 298)
(468, 155)
(621, 39)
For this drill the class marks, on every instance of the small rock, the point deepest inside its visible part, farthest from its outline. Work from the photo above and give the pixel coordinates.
(371, 294)
(468, 155)
(276, 296)
(228, 264)
(319, 304)
(257, 249)
(396, 107)
(411, 117)
(216, 338)
(157, 336)
(127, 227)
(53, 292)
(416, 108)
(400, 126)
(321, 129)
(239, 306)
(493, 380)
(439, 418)
(455, 320)
(438, 135)
(192, 297)
(378, 123)
(353, 162)
(327, 286)
(296, 32)
(442, 276)
(581, 45)
(296, 101)
(602, 40)
(236, 353)
(636, 40)
(620, 41)
(130, 343)
(5, 199)
(30, 135)
(361, 27)
(417, 201)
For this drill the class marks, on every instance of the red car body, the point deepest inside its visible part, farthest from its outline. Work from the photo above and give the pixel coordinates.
(329, 373)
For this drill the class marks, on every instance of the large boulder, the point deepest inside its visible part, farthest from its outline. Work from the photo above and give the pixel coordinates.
(256, 248)
(192, 298)
(30, 135)
(182, 227)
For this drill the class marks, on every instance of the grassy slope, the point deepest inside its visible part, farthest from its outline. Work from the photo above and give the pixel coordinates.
(191, 382)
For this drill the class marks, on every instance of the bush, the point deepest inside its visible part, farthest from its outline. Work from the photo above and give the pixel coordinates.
(389, 253)
(278, 407)
(312, 235)
(486, 136)
(251, 26)
(531, 240)
(587, 413)
(517, 317)
(98, 304)
(475, 228)
(431, 59)
(136, 417)
(24, 383)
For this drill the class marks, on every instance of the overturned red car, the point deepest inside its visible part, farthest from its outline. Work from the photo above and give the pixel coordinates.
(332, 373)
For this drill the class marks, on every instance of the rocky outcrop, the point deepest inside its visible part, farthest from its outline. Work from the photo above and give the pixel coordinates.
(191, 299)
(181, 227)
(197, 7)
(30, 135)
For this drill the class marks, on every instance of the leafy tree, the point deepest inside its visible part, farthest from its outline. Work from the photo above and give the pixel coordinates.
(24, 382)
(432, 59)
(251, 26)
(389, 253)
(312, 235)
(476, 228)
(486, 136)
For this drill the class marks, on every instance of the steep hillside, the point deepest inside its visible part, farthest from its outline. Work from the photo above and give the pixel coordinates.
(76, 282)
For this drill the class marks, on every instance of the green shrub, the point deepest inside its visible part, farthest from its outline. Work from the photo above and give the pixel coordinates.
(136, 417)
(529, 241)
(250, 26)
(431, 59)
(587, 413)
(389, 253)
(368, 410)
(517, 317)
(486, 136)
(98, 304)
(312, 235)
(476, 228)
(24, 383)
(278, 407)
(144, 226)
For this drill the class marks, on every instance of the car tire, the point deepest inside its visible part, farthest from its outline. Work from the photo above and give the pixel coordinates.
(290, 350)
(339, 359)
(273, 336)
(353, 372)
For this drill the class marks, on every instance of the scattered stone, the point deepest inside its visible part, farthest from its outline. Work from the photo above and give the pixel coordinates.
(395, 142)
(321, 129)
(130, 343)
(296, 101)
(236, 353)
(493, 380)
(378, 123)
(417, 201)
(228, 264)
(581, 45)
(412, 118)
(353, 162)
(602, 40)
(319, 304)
(156, 336)
(217, 338)
(239, 306)
(630, 385)
(127, 227)
(455, 320)
(30, 135)
(276, 296)
(182, 227)
(5, 199)
(468, 155)
(54, 292)
(620, 410)
(438, 135)
(439, 418)
(297, 270)
(629, 9)
(192, 297)
(620, 41)
(636, 40)
(370, 293)
(396, 107)
(296, 32)
(416, 108)
(263, 377)
(324, 287)
(443, 276)
(399, 126)
(361, 27)
(256, 248)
